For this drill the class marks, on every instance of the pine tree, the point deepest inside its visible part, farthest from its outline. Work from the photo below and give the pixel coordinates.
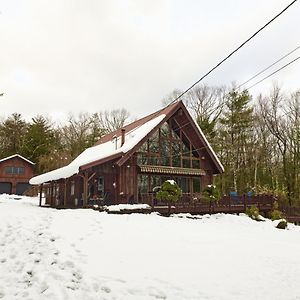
(236, 133)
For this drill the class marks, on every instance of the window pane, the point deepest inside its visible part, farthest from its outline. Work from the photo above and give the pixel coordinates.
(165, 152)
(186, 163)
(196, 185)
(154, 143)
(143, 183)
(196, 164)
(176, 156)
(183, 183)
(155, 182)
(164, 130)
(8, 170)
(142, 159)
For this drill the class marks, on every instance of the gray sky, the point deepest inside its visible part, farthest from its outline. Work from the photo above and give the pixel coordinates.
(62, 56)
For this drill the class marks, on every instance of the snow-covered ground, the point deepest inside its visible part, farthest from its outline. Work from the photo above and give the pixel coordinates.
(83, 254)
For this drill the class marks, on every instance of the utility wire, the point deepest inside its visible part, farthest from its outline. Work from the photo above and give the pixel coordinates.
(265, 69)
(289, 63)
(234, 51)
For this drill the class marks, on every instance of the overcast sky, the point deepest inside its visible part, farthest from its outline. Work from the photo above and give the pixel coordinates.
(67, 56)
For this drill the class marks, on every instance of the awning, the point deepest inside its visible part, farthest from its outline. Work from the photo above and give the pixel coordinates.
(171, 170)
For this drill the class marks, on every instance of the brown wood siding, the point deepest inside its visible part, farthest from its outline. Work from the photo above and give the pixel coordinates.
(14, 179)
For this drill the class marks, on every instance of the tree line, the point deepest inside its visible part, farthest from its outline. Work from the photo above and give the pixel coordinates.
(257, 140)
(52, 146)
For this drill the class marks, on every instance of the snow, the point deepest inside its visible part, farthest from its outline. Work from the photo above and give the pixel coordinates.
(171, 181)
(84, 254)
(120, 207)
(98, 152)
(17, 155)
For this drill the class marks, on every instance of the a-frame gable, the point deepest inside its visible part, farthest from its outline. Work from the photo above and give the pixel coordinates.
(192, 125)
(168, 115)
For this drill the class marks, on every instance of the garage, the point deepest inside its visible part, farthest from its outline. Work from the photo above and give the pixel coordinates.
(5, 188)
(22, 187)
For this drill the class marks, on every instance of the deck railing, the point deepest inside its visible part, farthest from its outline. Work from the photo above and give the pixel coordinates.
(194, 203)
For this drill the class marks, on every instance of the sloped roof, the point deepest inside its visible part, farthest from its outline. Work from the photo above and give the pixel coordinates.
(19, 156)
(109, 146)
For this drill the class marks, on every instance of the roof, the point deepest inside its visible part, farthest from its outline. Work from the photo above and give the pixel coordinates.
(19, 156)
(109, 146)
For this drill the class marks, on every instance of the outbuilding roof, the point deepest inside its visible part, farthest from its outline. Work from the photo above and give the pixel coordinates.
(19, 156)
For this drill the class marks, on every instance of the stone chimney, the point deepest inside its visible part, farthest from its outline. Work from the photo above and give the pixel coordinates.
(122, 136)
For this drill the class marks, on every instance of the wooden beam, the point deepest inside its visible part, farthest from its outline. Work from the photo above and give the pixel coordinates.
(85, 188)
(65, 192)
(41, 193)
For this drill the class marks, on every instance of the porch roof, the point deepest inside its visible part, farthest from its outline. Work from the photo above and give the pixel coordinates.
(171, 170)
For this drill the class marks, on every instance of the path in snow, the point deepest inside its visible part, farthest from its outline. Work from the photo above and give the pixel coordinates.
(83, 254)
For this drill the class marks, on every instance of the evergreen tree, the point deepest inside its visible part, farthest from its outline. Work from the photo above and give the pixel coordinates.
(236, 138)
(12, 131)
(39, 139)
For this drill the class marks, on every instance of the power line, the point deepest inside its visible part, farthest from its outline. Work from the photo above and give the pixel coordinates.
(289, 63)
(265, 69)
(234, 51)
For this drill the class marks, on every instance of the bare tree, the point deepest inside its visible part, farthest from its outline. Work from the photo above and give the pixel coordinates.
(113, 120)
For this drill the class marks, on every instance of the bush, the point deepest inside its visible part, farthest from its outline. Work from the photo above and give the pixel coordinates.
(253, 212)
(276, 214)
(210, 193)
(169, 191)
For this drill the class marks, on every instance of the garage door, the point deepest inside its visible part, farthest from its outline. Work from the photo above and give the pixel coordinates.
(5, 188)
(22, 187)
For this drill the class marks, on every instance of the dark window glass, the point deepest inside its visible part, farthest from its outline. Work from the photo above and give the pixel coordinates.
(196, 185)
(155, 182)
(186, 163)
(8, 170)
(142, 159)
(14, 170)
(154, 143)
(165, 152)
(164, 130)
(196, 164)
(183, 183)
(153, 160)
(143, 183)
(176, 156)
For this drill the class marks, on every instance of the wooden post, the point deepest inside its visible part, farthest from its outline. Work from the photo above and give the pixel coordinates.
(65, 193)
(85, 188)
(41, 192)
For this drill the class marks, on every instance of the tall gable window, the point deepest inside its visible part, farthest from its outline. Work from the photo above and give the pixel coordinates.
(169, 146)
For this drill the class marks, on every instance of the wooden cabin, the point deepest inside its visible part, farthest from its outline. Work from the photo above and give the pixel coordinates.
(129, 165)
(15, 172)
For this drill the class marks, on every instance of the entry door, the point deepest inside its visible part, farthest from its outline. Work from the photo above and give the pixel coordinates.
(5, 188)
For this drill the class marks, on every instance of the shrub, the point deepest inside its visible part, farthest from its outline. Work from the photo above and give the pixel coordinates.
(169, 191)
(276, 214)
(253, 212)
(210, 193)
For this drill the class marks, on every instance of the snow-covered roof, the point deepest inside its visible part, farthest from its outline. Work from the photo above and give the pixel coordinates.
(17, 155)
(100, 151)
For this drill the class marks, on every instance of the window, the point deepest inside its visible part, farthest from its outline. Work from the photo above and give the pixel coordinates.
(143, 183)
(196, 185)
(14, 170)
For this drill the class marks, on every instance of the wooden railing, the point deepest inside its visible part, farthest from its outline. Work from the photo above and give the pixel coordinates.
(193, 203)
